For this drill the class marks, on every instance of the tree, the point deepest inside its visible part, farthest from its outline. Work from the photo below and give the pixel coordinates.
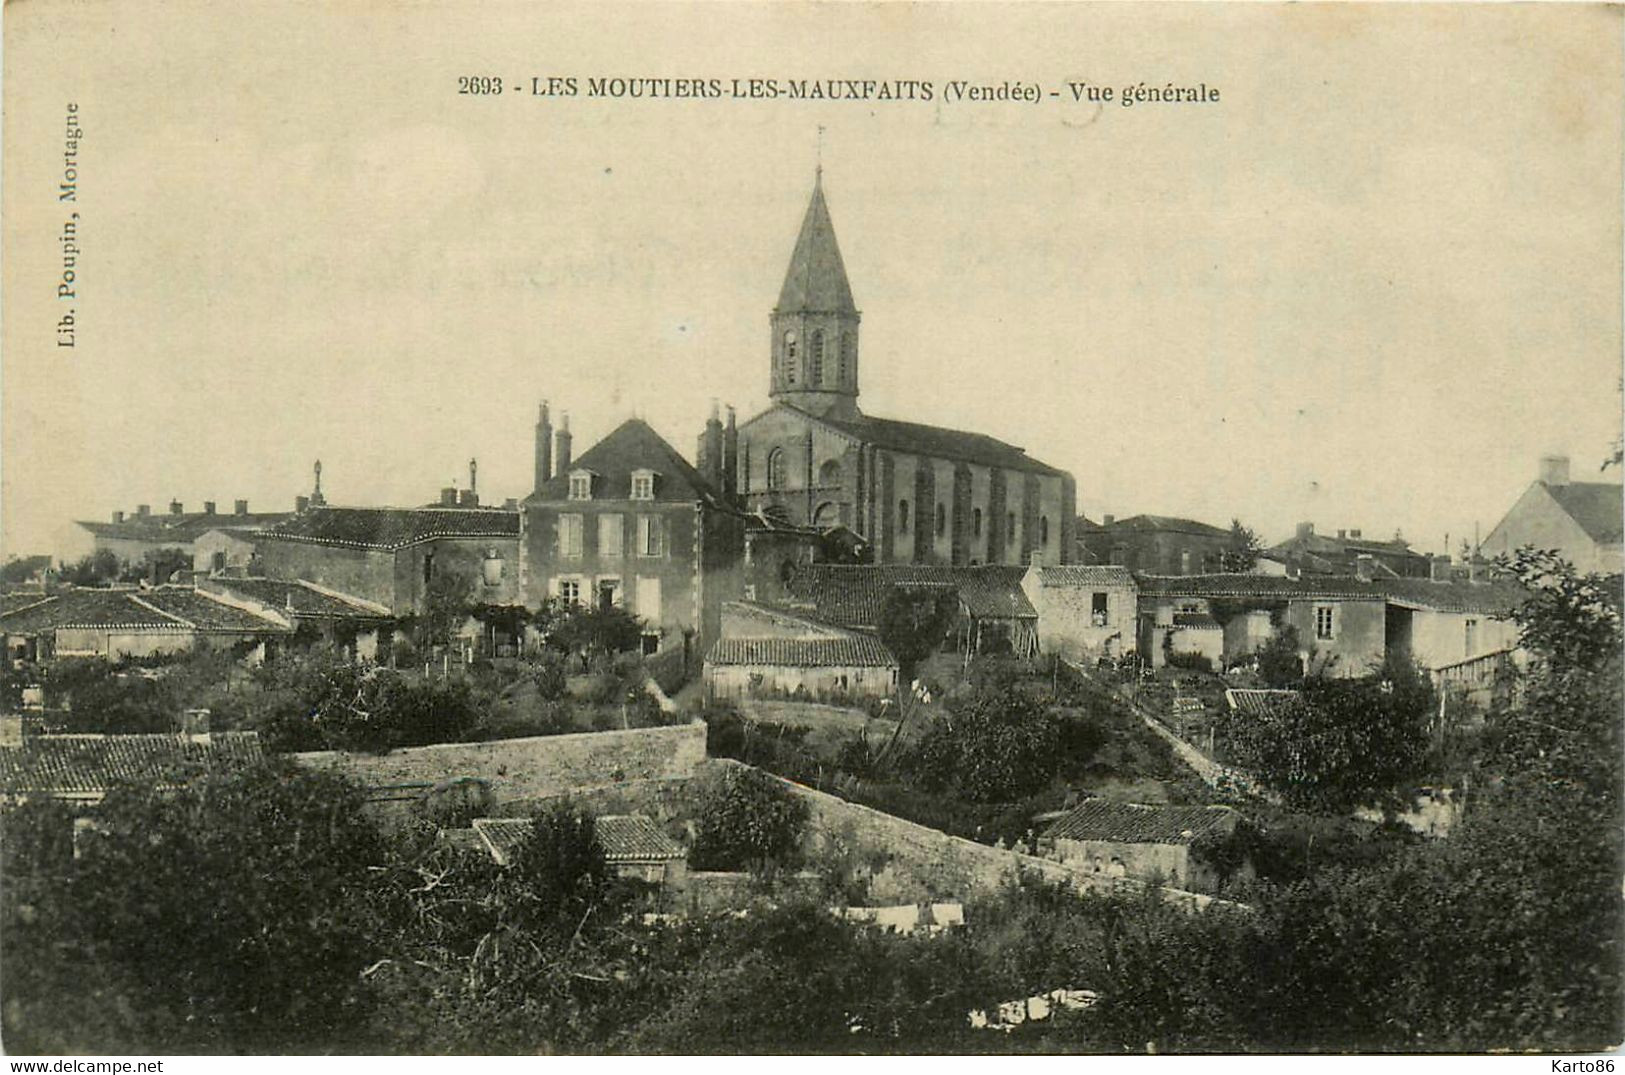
(446, 601)
(1279, 664)
(747, 818)
(912, 624)
(221, 915)
(999, 743)
(589, 631)
(1240, 555)
(97, 569)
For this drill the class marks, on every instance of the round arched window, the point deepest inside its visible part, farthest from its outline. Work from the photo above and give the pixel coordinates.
(815, 376)
(902, 516)
(1043, 530)
(790, 357)
(829, 473)
(777, 468)
(942, 520)
(976, 521)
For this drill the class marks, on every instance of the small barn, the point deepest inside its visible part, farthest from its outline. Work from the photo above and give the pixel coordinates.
(1142, 841)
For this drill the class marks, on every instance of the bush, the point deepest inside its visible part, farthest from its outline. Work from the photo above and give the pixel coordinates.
(550, 677)
(1191, 662)
(747, 820)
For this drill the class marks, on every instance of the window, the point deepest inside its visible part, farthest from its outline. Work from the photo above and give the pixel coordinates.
(789, 358)
(570, 591)
(570, 535)
(976, 521)
(648, 597)
(611, 529)
(1323, 621)
(1097, 609)
(942, 520)
(1010, 528)
(609, 594)
(777, 466)
(1185, 562)
(581, 485)
(218, 561)
(829, 473)
(1470, 641)
(428, 568)
(643, 485)
(651, 535)
(848, 342)
(1043, 529)
(815, 376)
(902, 516)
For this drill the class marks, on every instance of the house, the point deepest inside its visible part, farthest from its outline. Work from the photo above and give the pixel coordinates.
(994, 613)
(916, 493)
(1139, 841)
(1584, 521)
(83, 768)
(1084, 611)
(115, 623)
(225, 549)
(767, 651)
(352, 623)
(137, 537)
(631, 524)
(1157, 544)
(393, 556)
(634, 846)
(1349, 553)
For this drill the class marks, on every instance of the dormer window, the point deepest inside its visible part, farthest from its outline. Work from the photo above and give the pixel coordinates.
(643, 484)
(581, 484)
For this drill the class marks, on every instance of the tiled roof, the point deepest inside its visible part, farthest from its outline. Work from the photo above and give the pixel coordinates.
(938, 442)
(1257, 586)
(299, 598)
(852, 650)
(1083, 576)
(623, 837)
(1198, 620)
(1137, 823)
(852, 595)
(633, 445)
(165, 608)
(393, 528)
(1257, 702)
(1490, 598)
(182, 529)
(15, 602)
(88, 764)
(1598, 507)
(816, 279)
(1168, 522)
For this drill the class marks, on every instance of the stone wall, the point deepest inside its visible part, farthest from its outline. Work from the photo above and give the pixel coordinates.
(530, 768)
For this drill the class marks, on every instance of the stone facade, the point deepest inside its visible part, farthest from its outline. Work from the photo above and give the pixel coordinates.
(1084, 612)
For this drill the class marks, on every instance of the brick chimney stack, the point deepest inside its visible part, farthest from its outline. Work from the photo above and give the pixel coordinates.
(544, 448)
(730, 454)
(176, 507)
(562, 443)
(240, 507)
(1554, 471)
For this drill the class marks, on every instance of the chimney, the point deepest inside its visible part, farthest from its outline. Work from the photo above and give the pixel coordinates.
(1107, 520)
(301, 504)
(1306, 530)
(240, 507)
(176, 507)
(448, 496)
(1365, 566)
(143, 510)
(1554, 470)
(316, 497)
(468, 498)
(562, 441)
(11, 730)
(544, 448)
(1355, 534)
(118, 516)
(511, 504)
(474, 479)
(208, 507)
(730, 453)
(1341, 534)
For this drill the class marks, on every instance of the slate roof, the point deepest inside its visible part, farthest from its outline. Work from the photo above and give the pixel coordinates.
(852, 650)
(1599, 508)
(1168, 522)
(633, 445)
(301, 599)
(624, 838)
(393, 528)
(1084, 576)
(167, 608)
(90, 764)
(938, 442)
(182, 529)
(816, 279)
(1138, 823)
(1257, 703)
(852, 595)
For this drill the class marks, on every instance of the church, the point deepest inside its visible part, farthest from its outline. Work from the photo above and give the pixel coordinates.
(915, 493)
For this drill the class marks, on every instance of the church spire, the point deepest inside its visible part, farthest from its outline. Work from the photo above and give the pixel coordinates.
(814, 350)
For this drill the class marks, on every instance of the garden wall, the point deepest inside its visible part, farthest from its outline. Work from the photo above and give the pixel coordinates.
(530, 768)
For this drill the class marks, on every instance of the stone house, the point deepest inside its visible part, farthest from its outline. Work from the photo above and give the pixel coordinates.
(225, 549)
(389, 556)
(115, 623)
(772, 652)
(136, 536)
(1584, 521)
(82, 768)
(1348, 553)
(1157, 544)
(1084, 612)
(632, 524)
(357, 625)
(1139, 841)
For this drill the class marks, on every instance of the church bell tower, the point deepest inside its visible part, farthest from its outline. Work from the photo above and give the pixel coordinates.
(815, 324)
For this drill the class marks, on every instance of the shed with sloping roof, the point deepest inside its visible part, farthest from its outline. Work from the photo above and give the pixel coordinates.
(1148, 842)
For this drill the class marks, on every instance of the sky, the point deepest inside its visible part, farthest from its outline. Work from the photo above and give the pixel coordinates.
(1368, 288)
